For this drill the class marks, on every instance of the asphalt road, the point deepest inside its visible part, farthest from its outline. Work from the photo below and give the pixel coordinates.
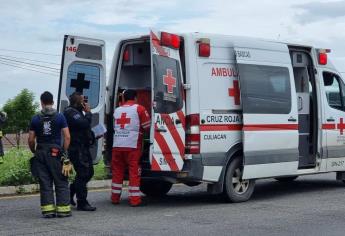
(312, 205)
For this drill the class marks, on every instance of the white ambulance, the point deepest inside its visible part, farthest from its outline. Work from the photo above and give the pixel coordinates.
(225, 110)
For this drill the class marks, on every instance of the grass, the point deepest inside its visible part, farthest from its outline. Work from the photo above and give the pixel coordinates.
(16, 169)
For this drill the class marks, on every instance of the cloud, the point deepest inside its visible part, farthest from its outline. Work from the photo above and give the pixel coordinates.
(39, 25)
(318, 11)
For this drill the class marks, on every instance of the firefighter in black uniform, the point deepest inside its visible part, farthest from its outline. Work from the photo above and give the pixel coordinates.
(51, 164)
(3, 117)
(78, 116)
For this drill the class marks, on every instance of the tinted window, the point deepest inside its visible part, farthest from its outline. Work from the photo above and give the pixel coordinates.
(167, 85)
(265, 89)
(89, 52)
(334, 89)
(85, 79)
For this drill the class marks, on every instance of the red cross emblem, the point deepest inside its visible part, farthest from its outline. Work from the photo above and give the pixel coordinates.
(123, 120)
(235, 92)
(170, 81)
(341, 126)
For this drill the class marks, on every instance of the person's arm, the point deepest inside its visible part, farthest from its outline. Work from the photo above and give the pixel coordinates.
(31, 141)
(32, 134)
(88, 114)
(65, 131)
(145, 121)
(66, 138)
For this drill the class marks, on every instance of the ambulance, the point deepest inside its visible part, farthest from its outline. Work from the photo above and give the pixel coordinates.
(225, 110)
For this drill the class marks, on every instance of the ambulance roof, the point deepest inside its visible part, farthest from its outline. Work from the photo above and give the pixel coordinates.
(241, 39)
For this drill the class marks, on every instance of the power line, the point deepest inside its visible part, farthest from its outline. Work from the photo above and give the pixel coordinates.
(7, 64)
(30, 52)
(27, 63)
(27, 59)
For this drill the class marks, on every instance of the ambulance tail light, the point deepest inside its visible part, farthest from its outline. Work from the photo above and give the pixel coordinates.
(170, 40)
(204, 48)
(323, 57)
(193, 134)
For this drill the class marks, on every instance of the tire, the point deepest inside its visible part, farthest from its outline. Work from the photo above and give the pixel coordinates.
(235, 188)
(286, 179)
(155, 188)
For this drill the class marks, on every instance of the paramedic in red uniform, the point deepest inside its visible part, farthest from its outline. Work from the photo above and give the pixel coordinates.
(130, 122)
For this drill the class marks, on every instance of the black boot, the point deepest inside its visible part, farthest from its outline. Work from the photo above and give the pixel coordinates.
(85, 206)
(72, 194)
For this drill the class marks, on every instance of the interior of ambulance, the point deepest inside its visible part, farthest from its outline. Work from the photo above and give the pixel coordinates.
(134, 72)
(305, 85)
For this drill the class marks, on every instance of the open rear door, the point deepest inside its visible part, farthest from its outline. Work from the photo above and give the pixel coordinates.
(83, 70)
(168, 132)
(270, 118)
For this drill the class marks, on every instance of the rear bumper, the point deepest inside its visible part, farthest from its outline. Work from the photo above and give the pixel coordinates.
(192, 171)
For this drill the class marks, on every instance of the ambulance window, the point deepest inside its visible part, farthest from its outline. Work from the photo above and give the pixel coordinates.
(85, 79)
(168, 96)
(334, 89)
(265, 89)
(91, 52)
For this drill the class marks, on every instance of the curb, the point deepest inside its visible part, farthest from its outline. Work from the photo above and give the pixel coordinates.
(34, 188)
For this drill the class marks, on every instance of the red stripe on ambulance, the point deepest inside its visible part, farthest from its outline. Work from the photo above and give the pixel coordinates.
(165, 150)
(154, 164)
(182, 118)
(328, 126)
(175, 135)
(233, 127)
(272, 127)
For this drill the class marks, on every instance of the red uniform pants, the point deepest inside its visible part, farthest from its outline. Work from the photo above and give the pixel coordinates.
(121, 160)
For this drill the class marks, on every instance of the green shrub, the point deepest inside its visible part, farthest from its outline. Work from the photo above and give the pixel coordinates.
(16, 168)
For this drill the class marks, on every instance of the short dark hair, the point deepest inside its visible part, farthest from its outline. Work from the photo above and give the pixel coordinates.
(74, 98)
(47, 98)
(129, 94)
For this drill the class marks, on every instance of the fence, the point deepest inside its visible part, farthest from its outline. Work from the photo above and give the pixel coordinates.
(9, 141)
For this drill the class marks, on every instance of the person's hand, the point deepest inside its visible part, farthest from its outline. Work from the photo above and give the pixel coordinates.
(67, 169)
(86, 107)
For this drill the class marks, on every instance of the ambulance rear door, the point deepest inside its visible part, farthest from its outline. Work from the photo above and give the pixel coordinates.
(83, 70)
(270, 118)
(168, 114)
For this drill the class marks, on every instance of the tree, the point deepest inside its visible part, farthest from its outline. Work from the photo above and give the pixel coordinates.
(19, 111)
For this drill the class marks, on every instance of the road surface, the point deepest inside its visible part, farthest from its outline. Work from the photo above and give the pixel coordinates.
(311, 205)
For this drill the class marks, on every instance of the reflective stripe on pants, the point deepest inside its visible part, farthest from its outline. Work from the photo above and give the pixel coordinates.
(50, 208)
(120, 161)
(63, 209)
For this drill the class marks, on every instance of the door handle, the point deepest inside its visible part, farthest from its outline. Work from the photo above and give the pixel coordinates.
(161, 130)
(331, 119)
(291, 119)
(178, 121)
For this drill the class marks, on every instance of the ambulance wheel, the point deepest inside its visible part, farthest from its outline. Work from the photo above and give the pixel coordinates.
(237, 189)
(286, 179)
(155, 188)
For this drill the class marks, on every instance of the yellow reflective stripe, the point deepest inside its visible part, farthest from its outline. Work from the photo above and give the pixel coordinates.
(63, 208)
(0, 134)
(49, 207)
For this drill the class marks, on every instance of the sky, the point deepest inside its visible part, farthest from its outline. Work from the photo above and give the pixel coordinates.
(33, 30)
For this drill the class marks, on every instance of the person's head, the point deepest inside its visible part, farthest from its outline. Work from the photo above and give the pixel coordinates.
(47, 99)
(76, 100)
(129, 94)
